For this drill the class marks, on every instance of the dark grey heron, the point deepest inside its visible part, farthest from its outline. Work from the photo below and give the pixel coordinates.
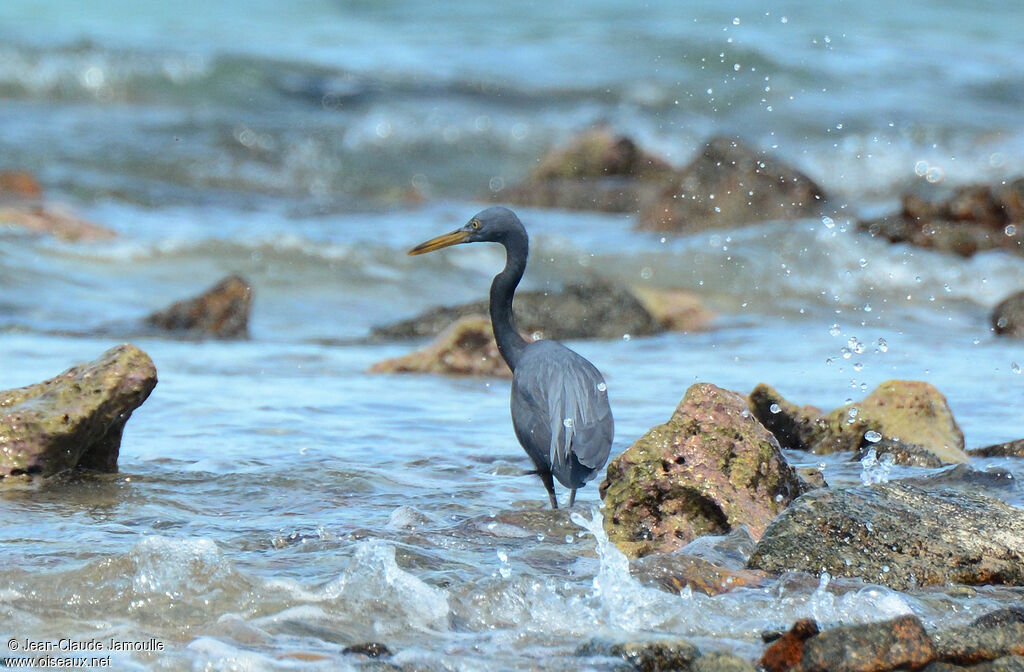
(560, 408)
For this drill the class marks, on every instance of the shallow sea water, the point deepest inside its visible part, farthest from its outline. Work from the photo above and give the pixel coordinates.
(275, 502)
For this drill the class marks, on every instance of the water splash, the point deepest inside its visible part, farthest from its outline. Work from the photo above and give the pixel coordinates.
(875, 469)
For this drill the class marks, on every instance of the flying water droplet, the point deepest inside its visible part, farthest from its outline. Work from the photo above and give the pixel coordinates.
(882, 345)
(601, 387)
(834, 330)
(1015, 367)
(569, 423)
(872, 436)
(774, 408)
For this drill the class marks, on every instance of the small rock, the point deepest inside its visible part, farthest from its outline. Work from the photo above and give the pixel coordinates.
(221, 311)
(370, 649)
(710, 468)
(796, 428)
(1008, 449)
(597, 170)
(728, 184)
(650, 656)
(897, 535)
(900, 643)
(1008, 316)
(674, 572)
(973, 644)
(1003, 616)
(907, 454)
(963, 221)
(787, 651)
(74, 420)
(675, 309)
(18, 184)
(914, 413)
(467, 348)
(580, 310)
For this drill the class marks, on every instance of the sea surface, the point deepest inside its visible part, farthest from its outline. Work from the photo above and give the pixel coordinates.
(276, 503)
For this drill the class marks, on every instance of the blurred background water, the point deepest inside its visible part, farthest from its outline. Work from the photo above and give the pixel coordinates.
(275, 502)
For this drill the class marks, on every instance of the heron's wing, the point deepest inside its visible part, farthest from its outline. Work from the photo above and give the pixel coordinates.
(561, 400)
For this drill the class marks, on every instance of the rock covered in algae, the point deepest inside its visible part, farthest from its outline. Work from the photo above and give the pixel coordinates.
(896, 412)
(710, 468)
(897, 535)
(466, 348)
(74, 420)
(729, 183)
(222, 311)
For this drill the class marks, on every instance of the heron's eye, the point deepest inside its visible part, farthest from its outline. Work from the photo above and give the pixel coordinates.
(475, 224)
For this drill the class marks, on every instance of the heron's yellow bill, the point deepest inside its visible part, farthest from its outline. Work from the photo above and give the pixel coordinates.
(447, 240)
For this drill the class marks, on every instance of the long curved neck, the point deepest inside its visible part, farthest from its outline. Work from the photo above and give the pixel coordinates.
(510, 343)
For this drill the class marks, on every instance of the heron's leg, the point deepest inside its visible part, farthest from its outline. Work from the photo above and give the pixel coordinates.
(572, 497)
(549, 484)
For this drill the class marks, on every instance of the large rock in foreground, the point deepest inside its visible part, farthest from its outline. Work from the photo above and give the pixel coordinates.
(466, 348)
(74, 420)
(728, 184)
(897, 535)
(906, 417)
(1008, 316)
(221, 311)
(710, 468)
(580, 310)
(964, 220)
(596, 170)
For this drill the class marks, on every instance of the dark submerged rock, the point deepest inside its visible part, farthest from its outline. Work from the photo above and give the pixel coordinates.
(795, 427)
(369, 649)
(579, 311)
(710, 468)
(965, 220)
(74, 420)
(727, 184)
(674, 571)
(467, 348)
(1008, 316)
(596, 170)
(221, 311)
(897, 535)
(908, 454)
(1003, 616)
(901, 643)
(649, 656)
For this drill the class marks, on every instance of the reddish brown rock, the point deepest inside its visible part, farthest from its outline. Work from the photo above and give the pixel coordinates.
(466, 348)
(710, 468)
(964, 220)
(727, 184)
(74, 420)
(221, 311)
(900, 643)
(787, 651)
(19, 184)
(1008, 316)
(596, 170)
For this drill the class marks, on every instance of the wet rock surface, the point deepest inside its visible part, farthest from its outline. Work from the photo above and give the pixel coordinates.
(1008, 316)
(596, 170)
(964, 220)
(906, 454)
(644, 656)
(1008, 449)
(909, 418)
(467, 348)
(222, 311)
(901, 643)
(710, 468)
(674, 572)
(975, 643)
(730, 183)
(368, 649)
(579, 311)
(675, 309)
(74, 420)
(897, 535)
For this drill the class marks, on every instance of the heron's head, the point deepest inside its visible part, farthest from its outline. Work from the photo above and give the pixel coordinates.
(493, 225)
